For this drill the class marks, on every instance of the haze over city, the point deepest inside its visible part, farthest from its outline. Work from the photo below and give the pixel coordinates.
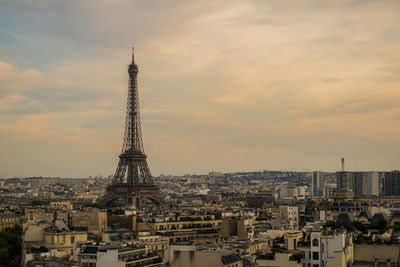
(227, 86)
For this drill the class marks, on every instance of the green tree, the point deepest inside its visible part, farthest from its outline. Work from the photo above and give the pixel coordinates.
(10, 246)
(359, 238)
(382, 224)
(331, 224)
(4, 257)
(396, 227)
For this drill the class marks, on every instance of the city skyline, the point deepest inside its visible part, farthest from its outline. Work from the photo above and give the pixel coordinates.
(226, 87)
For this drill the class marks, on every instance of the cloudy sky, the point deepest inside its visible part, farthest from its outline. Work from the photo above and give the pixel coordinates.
(224, 85)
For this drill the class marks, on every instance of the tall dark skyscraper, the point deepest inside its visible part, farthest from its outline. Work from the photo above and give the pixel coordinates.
(391, 183)
(132, 179)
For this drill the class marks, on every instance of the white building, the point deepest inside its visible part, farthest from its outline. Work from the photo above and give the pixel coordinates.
(117, 255)
(301, 192)
(331, 249)
(289, 213)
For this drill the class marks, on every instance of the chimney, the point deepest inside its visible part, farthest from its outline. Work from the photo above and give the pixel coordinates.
(69, 220)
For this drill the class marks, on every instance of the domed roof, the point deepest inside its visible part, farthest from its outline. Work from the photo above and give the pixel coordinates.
(377, 218)
(345, 219)
(364, 214)
(396, 215)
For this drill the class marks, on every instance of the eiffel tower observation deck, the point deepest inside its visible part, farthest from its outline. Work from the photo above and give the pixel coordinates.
(132, 182)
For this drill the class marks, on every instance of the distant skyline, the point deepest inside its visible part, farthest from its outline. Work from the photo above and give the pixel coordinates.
(224, 85)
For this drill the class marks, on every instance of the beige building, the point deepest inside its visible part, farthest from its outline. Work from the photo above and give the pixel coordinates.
(280, 260)
(178, 225)
(292, 238)
(59, 237)
(289, 213)
(157, 244)
(95, 220)
(52, 233)
(125, 221)
(377, 253)
(8, 220)
(182, 231)
(33, 233)
(248, 246)
(64, 205)
(190, 256)
(33, 216)
(233, 227)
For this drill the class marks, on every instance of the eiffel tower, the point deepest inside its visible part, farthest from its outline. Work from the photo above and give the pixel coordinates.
(132, 181)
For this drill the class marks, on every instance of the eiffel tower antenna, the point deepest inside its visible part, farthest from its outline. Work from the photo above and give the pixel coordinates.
(132, 179)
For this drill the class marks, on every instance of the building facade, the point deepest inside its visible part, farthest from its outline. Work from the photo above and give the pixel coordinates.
(391, 183)
(318, 184)
(361, 183)
(117, 255)
(8, 220)
(331, 249)
(289, 213)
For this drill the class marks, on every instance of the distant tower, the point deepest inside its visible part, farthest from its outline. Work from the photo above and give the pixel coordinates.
(318, 184)
(344, 179)
(132, 179)
(342, 164)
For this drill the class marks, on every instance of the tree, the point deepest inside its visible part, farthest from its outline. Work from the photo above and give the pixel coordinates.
(382, 224)
(359, 238)
(331, 224)
(4, 257)
(396, 227)
(350, 228)
(10, 246)
(268, 256)
(360, 227)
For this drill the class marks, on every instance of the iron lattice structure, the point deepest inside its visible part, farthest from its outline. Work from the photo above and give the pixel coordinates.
(132, 178)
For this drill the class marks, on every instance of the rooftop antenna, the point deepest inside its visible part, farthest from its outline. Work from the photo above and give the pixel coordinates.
(342, 164)
(133, 54)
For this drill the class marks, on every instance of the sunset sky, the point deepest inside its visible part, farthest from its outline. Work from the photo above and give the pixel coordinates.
(224, 85)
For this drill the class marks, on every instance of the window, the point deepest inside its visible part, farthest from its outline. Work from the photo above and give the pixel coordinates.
(72, 239)
(315, 255)
(315, 265)
(315, 242)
